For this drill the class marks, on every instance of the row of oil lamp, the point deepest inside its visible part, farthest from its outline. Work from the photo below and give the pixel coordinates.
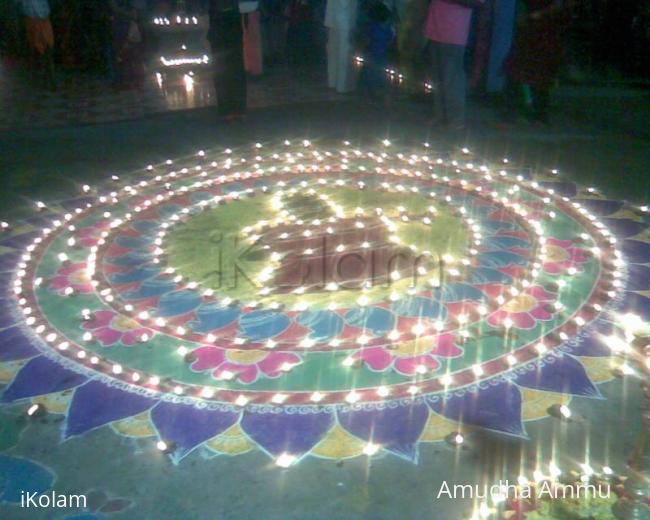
(457, 440)
(274, 305)
(175, 20)
(183, 61)
(116, 369)
(265, 273)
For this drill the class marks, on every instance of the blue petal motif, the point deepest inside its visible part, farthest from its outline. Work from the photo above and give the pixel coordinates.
(603, 327)
(624, 227)
(145, 226)
(19, 476)
(458, 292)
(492, 226)
(261, 325)
(591, 346)
(5, 278)
(397, 428)
(213, 316)
(14, 345)
(78, 202)
(133, 242)
(377, 319)
(96, 404)
(6, 318)
(167, 210)
(638, 277)
(41, 220)
(481, 212)
(20, 241)
(505, 242)
(151, 288)
(188, 426)
(483, 275)
(601, 207)
(233, 187)
(637, 304)
(41, 376)
(178, 302)
(138, 274)
(199, 196)
(561, 374)
(565, 189)
(278, 433)
(418, 307)
(8, 261)
(636, 252)
(324, 325)
(132, 258)
(501, 259)
(496, 408)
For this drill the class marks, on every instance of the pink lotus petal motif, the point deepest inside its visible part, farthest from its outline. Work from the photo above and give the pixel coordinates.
(110, 328)
(563, 254)
(90, 235)
(410, 357)
(244, 365)
(72, 275)
(525, 310)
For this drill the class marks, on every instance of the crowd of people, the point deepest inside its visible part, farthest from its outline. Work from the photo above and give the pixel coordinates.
(104, 37)
(426, 38)
(511, 47)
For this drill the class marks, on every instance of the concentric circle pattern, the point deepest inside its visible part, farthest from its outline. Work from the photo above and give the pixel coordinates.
(305, 299)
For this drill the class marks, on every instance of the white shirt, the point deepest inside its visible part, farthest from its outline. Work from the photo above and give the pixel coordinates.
(248, 7)
(341, 14)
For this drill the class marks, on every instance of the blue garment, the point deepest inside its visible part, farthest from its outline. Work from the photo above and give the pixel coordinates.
(36, 8)
(501, 42)
(380, 37)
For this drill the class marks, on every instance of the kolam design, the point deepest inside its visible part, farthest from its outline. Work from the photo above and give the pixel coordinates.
(305, 300)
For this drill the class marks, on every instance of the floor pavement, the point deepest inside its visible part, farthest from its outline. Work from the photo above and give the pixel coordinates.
(607, 148)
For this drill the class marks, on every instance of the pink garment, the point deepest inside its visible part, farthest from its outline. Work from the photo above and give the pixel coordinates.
(252, 43)
(448, 22)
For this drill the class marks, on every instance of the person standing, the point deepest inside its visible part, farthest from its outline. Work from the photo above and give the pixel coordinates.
(340, 20)
(412, 43)
(300, 32)
(226, 40)
(378, 35)
(40, 38)
(447, 28)
(537, 54)
(274, 30)
(252, 37)
(123, 18)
